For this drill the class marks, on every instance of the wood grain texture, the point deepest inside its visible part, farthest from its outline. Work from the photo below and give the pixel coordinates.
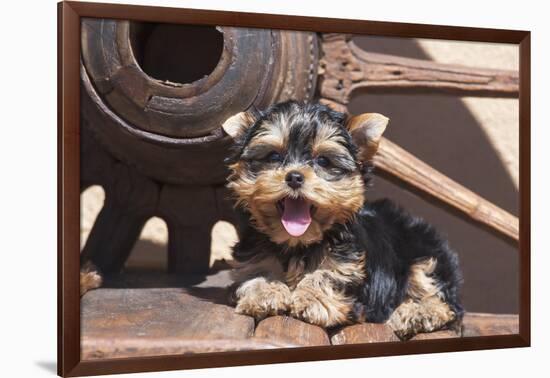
(288, 330)
(170, 131)
(346, 68)
(363, 333)
(480, 324)
(151, 314)
(443, 334)
(253, 66)
(525, 188)
(116, 322)
(139, 347)
(68, 210)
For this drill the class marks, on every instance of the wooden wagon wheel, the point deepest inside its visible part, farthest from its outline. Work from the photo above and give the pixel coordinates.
(158, 148)
(345, 68)
(171, 131)
(155, 144)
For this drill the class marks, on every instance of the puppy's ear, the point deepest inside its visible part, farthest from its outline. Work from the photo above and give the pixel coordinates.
(366, 130)
(235, 126)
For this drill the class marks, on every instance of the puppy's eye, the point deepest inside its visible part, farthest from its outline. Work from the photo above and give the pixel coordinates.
(274, 157)
(322, 161)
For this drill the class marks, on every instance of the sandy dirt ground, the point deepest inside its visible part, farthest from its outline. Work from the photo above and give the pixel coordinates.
(499, 119)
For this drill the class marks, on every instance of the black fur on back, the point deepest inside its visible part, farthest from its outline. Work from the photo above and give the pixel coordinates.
(394, 240)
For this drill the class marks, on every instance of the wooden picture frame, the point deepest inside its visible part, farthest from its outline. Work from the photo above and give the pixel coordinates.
(69, 26)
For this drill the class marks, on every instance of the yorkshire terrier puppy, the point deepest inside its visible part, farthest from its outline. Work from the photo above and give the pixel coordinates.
(311, 246)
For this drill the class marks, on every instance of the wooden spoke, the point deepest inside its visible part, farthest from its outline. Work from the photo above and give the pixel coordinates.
(345, 68)
(393, 161)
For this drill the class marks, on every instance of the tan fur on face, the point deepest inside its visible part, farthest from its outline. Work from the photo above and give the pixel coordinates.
(423, 310)
(259, 298)
(273, 134)
(329, 148)
(327, 139)
(335, 202)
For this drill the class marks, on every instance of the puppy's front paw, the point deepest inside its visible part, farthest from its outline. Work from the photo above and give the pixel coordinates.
(89, 279)
(318, 308)
(405, 320)
(411, 318)
(260, 298)
(306, 307)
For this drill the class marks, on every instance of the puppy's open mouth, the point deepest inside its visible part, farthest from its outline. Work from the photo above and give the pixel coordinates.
(295, 215)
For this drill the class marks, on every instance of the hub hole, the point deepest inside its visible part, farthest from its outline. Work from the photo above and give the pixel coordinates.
(176, 53)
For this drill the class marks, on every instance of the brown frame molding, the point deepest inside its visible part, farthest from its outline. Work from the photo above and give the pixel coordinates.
(69, 14)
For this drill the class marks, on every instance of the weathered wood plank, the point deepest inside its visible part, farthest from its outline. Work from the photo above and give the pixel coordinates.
(286, 330)
(363, 333)
(116, 322)
(443, 334)
(149, 314)
(380, 333)
(140, 347)
(480, 324)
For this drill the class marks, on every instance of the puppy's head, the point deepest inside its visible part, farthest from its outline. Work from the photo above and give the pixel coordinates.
(297, 168)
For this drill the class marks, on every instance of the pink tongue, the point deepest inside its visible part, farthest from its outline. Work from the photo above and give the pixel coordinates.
(296, 217)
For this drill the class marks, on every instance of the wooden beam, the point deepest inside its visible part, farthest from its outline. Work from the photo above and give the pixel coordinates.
(399, 164)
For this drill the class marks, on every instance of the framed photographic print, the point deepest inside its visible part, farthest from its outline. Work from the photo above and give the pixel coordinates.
(239, 188)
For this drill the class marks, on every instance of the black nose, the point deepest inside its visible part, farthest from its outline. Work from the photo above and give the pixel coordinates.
(294, 179)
